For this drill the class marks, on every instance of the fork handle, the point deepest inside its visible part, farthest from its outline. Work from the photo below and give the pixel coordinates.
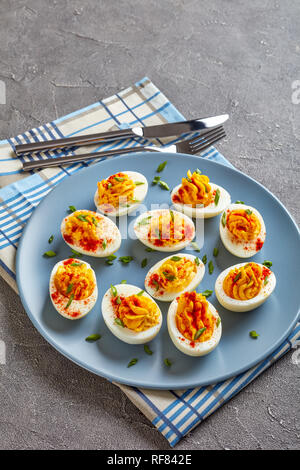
(37, 164)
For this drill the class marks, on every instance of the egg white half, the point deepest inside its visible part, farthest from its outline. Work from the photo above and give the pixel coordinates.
(110, 232)
(169, 296)
(78, 308)
(243, 305)
(183, 344)
(211, 210)
(139, 193)
(141, 231)
(123, 333)
(241, 248)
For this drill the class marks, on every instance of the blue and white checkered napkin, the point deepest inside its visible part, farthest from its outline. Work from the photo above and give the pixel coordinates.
(174, 413)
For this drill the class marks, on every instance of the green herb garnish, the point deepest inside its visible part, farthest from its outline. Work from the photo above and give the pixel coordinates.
(104, 244)
(119, 178)
(268, 264)
(266, 280)
(198, 171)
(216, 252)
(204, 259)
(109, 185)
(239, 202)
(118, 300)
(172, 215)
(74, 252)
(119, 322)
(224, 219)
(70, 301)
(51, 239)
(199, 333)
(210, 267)
(156, 284)
(169, 276)
(113, 290)
(132, 362)
(94, 221)
(207, 293)
(217, 197)
(93, 338)
(110, 259)
(253, 334)
(72, 209)
(70, 288)
(156, 180)
(82, 217)
(149, 249)
(49, 254)
(76, 264)
(195, 246)
(167, 362)
(218, 322)
(144, 263)
(164, 185)
(161, 167)
(175, 258)
(197, 261)
(124, 281)
(125, 259)
(237, 277)
(140, 293)
(138, 183)
(145, 221)
(147, 350)
(248, 211)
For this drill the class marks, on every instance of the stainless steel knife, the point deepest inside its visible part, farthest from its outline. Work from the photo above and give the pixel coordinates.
(158, 131)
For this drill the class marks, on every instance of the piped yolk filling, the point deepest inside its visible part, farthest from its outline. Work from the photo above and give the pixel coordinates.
(138, 313)
(243, 224)
(192, 315)
(174, 276)
(76, 280)
(116, 191)
(169, 229)
(195, 190)
(83, 229)
(243, 283)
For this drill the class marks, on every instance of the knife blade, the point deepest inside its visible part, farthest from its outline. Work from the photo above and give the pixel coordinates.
(161, 130)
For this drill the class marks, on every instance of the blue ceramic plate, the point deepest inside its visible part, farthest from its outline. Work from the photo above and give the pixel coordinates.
(109, 357)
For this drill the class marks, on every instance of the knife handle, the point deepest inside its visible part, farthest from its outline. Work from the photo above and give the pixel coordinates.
(75, 140)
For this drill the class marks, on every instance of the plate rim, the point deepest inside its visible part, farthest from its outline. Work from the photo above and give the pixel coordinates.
(144, 383)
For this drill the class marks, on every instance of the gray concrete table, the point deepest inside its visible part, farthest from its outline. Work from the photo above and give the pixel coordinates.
(208, 57)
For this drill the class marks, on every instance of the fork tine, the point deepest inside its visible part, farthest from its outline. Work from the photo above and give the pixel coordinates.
(208, 143)
(203, 137)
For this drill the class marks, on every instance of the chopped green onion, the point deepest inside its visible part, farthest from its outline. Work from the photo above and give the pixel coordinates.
(207, 293)
(70, 288)
(81, 217)
(148, 350)
(188, 179)
(217, 197)
(94, 221)
(111, 257)
(72, 209)
(195, 246)
(237, 277)
(119, 322)
(156, 284)
(144, 263)
(248, 211)
(93, 338)
(51, 239)
(253, 334)
(132, 362)
(109, 185)
(239, 202)
(120, 179)
(197, 261)
(109, 262)
(161, 167)
(199, 333)
(167, 362)
(118, 300)
(49, 254)
(156, 179)
(210, 267)
(216, 252)
(70, 301)
(172, 215)
(224, 219)
(266, 280)
(175, 258)
(145, 221)
(218, 322)
(164, 185)
(139, 183)
(149, 249)
(113, 290)
(140, 293)
(198, 171)
(125, 259)
(204, 259)
(124, 281)
(268, 264)
(168, 276)
(74, 252)
(76, 264)
(104, 244)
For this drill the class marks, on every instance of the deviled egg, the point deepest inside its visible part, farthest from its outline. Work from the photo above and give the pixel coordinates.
(242, 230)
(73, 288)
(244, 286)
(174, 275)
(90, 233)
(197, 197)
(131, 314)
(121, 193)
(194, 324)
(164, 230)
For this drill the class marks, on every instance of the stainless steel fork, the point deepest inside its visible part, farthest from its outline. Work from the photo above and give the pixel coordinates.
(192, 146)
